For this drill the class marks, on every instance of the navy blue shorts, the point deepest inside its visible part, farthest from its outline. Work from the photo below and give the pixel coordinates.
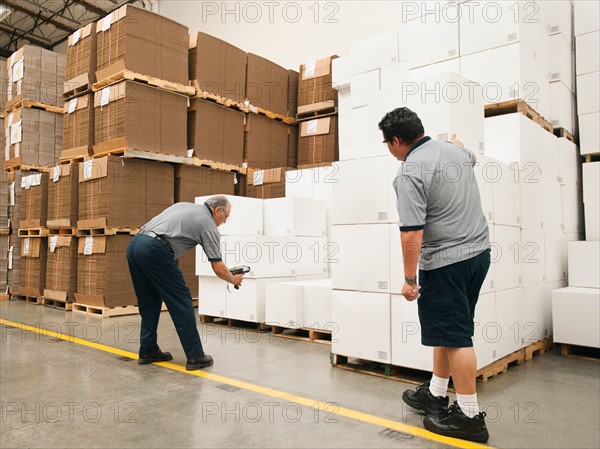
(447, 302)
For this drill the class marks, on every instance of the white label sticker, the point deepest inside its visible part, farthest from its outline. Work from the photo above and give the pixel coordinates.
(76, 36)
(36, 179)
(309, 68)
(52, 242)
(11, 194)
(18, 70)
(72, 105)
(26, 246)
(10, 118)
(311, 126)
(10, 257)
(107, 22)
(105, 99)
(17, 150)
(15, 133)
(25, 182)
(235, 181)
(88, 248)
(258, 178)
(19, 87)
(56, 173)
(87, 169)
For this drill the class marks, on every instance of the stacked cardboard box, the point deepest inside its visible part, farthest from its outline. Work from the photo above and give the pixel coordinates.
(142, 42)
(33, 137)
(4, 198)
(80, 72)
(267, 85)
(103, 278)
(35, 74)
(78, 127)
(34, 201)
(33, 266)
(292, 96)
(117, 192)
(191, 181)
(217, 67)
(63, 196)
(61, 268)
(216, 133)
(266, 183)
(266, 142)
(138, 116)
(3, 83)
(14, 264)
(318, 141)
(4, 249)
(315, 88)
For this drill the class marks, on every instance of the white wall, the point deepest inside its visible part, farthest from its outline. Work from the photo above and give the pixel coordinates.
(274, 32)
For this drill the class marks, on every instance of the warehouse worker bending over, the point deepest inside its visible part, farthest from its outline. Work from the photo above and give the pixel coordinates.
(442, 222)
(156, 277)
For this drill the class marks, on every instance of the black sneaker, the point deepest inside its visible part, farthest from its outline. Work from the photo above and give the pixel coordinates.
(422, 400)
(157, 356)
(454, 423)
(198, 361)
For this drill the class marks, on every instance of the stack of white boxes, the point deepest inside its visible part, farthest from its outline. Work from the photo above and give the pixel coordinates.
(587, 41)
(281, 239)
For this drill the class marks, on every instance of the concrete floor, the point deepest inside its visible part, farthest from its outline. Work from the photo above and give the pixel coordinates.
(56, 393)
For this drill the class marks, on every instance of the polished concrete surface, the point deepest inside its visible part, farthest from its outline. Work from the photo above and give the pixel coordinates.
(56, 393)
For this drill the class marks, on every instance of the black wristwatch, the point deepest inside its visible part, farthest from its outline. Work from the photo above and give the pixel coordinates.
(410, 281)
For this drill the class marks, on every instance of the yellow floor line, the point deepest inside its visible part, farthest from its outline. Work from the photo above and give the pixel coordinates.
(326, 407)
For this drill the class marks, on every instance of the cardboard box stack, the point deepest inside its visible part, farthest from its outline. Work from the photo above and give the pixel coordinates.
(35, 74)
(80, 72)
(4, 199)
(266, 85)
(274, 237)
(266, 184)
(317, 113)
(3, 85)
(32, 279)
(4, 252)
(61, 268)
(78, 127)
(266, 142)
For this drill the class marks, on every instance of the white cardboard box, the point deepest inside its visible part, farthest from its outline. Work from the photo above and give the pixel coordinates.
(364, 86)
(317, 305)
(556, 256)
(569, 166)
(246, 216)
(584, 264)
(487, 331)
(366, 138)
(363, 325)
(489, 283)
(589, 133)
(591, 181)
(534, 324)
(344, 101)
(284, 304)
(588, 93)
(507, 244)
(575, 313)
(432, 40)
(588, 60)
(434, 70)
(212, 296)
(572, 209)
(562, 63)
(506, 192)
(533, 257)
(562, 107)
(515, 74)
(509, 313)
(374, 52)
(592, 220)
(341, 71)
(392, 77)
(364, 192)
(396, 261)
(363, 257)
(295, 216)
(587, 17)
(407, 350)
(310, 255)
(557, 15)
(485, 184)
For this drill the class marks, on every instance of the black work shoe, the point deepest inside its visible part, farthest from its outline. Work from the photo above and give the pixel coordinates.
(157, 356)
(454, 423)
(198, 361)
(422, 399)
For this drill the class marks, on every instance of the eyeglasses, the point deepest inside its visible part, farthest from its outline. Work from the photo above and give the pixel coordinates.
(387, 141)
(226, 214)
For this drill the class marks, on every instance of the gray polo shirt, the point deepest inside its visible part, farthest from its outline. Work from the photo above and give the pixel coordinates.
(437, 191)
(185, 225)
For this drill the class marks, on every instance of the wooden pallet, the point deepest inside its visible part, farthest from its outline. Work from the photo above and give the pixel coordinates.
(512, 106)
(57, 304)
(222, 166)
(223, 101)
(72, 160)
(77, 92)
(272, 115)
(594, 157)
(561, 132)
(25, 298)
(34, 105)
(229, 322)
(33, 232)
(146, 79)
(501, 365)
(12, 166)
(108, 230)
(4, 296)
(380, 369)
(320, 113)
(303, 334)
(2, 114)
(66, 232)
(580, 352)
(4, 231)
(108, 312)
(540, 346)
(138, 154)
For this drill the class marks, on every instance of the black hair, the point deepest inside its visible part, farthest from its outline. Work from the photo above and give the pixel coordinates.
(402, 123)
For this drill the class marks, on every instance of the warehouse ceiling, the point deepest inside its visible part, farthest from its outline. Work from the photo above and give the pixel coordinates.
(47, 23)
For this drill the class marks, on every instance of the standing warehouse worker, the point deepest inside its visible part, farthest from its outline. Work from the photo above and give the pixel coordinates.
(442, 222)
(156, 277)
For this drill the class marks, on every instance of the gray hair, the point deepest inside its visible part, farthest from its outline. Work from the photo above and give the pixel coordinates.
(218, 202)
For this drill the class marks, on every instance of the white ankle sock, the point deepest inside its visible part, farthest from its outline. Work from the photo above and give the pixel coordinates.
(468, 404)
(438, 386)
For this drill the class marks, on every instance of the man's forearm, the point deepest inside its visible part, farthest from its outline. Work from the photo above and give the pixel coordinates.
(411, 249)
(221, 270)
